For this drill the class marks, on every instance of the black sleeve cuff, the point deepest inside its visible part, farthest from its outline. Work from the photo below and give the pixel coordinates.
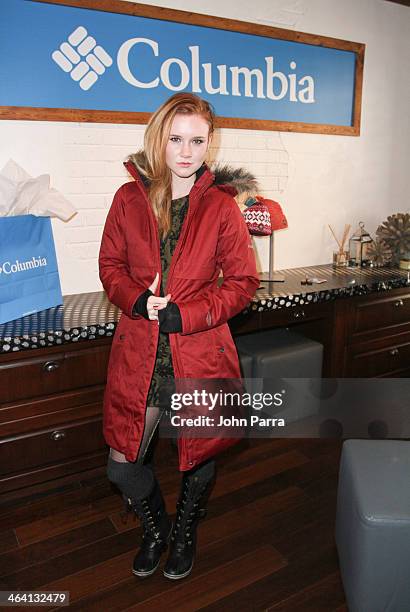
(170, 320)
(140, 306)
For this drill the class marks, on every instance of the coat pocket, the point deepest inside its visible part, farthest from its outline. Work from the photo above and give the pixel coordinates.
(197, 353)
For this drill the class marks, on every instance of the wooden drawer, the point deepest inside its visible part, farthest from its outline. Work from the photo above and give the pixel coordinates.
(393, 359)
(52, 373)
(25, 416)
(295, 315)
(51, 446)
(381, 313)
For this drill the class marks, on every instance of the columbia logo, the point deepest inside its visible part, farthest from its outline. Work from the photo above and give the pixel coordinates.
(82, 58)
(9, 267)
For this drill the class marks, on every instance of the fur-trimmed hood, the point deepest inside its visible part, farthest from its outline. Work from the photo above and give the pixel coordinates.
(237, 181)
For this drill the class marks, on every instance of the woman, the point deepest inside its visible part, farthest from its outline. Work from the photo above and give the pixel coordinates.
(168, 234)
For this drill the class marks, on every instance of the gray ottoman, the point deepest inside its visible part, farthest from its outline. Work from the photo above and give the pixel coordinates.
(281, 354)
(373, 525)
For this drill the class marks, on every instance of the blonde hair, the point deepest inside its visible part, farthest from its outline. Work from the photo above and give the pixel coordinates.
(155, 142)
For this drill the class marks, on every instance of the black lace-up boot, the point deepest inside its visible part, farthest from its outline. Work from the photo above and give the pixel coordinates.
(194, 494)
(156, 530)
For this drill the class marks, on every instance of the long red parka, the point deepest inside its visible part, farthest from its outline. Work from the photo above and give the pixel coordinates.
(213, 237)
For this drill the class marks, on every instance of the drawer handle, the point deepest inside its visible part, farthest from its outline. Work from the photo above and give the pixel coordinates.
(394, 352)
(50, 366)
(399, 303)
(58, 435)
(299, 314)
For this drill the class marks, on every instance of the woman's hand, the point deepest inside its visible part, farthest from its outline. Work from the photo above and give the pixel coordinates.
(154, 302)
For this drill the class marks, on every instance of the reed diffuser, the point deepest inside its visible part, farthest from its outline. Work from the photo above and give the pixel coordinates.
(341, 257)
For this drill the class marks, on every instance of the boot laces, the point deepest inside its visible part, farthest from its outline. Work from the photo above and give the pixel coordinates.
(187, 513)
(145, 514)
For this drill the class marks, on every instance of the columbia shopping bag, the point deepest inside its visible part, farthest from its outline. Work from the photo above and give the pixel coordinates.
(29, 280)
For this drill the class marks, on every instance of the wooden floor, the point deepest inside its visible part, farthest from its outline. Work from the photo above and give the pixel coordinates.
(267, 542)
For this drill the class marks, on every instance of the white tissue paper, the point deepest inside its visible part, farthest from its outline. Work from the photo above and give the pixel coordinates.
(20, 194)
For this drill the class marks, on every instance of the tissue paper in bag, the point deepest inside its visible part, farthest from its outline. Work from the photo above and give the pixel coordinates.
(21, 194)
(29, 280)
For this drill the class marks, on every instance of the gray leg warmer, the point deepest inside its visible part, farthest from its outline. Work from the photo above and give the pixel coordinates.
(134, 480)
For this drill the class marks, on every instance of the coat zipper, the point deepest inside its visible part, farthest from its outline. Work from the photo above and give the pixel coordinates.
(159, 267)
(155, 223)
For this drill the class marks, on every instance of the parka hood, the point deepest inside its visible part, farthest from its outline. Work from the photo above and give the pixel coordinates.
(235, 181)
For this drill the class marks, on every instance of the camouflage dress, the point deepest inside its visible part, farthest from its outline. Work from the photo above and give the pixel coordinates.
(163, 375)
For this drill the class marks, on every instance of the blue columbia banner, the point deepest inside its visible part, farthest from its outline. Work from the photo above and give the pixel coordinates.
(64, 57)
